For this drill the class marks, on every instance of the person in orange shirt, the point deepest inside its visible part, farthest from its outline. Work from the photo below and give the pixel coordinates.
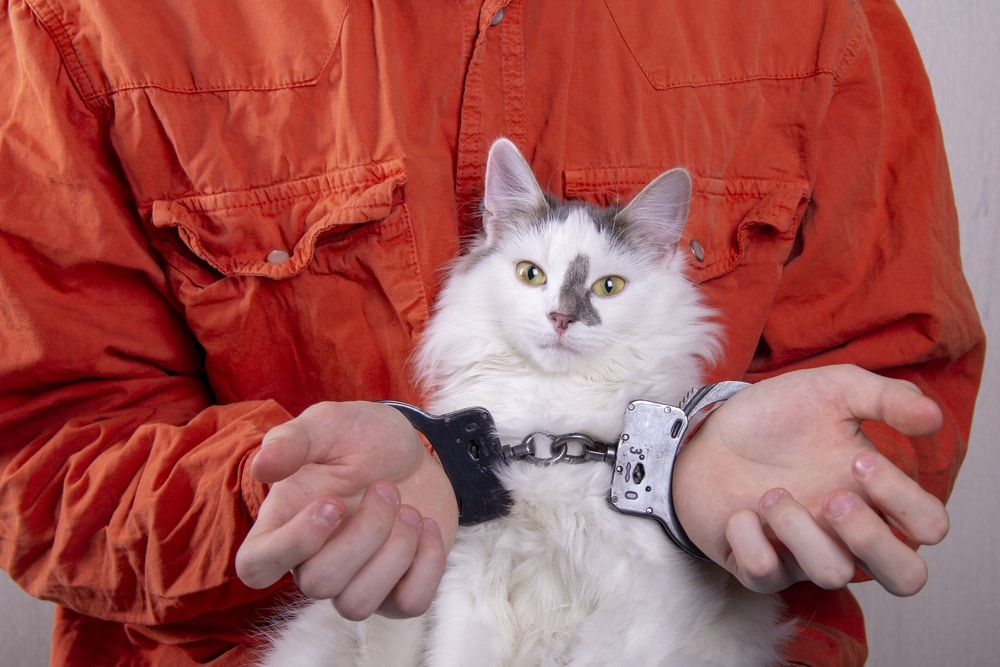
(221, 224)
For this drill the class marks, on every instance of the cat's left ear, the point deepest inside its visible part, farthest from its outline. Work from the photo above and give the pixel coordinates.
(659, 212)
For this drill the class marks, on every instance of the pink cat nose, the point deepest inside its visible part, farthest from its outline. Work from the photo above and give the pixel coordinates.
(561, 321)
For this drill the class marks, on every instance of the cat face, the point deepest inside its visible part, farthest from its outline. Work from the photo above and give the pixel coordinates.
(567, 293)
(571, 284)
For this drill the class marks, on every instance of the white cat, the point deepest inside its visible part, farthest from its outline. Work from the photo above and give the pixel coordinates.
(556, 318)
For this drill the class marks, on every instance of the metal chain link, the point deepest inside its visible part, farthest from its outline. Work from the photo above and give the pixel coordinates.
(586, 449)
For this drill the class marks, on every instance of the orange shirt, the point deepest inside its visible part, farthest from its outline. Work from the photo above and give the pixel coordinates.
(213, 215)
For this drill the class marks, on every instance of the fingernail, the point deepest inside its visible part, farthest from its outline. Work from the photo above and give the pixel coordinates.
(329, 514)
(430, 527)
(388, 492)
(839, 505)
(409, 515)
(863, 466)
(771, 497)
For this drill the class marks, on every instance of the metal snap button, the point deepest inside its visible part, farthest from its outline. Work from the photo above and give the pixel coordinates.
(697, 250)
(497, 17)
(277, 256)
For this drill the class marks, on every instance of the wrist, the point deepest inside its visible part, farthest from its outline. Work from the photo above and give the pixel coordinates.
(695, 473)
(687, 496)
(438, 500)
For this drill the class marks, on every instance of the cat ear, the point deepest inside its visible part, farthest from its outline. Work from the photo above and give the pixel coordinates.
(659, 212)
(511, 188)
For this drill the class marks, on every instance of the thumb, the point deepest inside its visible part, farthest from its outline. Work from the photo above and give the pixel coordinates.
(284, 449)
(897, 403)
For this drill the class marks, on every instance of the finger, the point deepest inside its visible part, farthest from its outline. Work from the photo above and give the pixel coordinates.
(328, 433)
(898, 403)
(821, 559)
(359, 538)
(284, 449)
(367, 591)
(891, 562)
(415, 591)
(917, 514)
(753, 560)
(266, 556)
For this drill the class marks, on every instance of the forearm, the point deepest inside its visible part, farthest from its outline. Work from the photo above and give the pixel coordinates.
(129, 515)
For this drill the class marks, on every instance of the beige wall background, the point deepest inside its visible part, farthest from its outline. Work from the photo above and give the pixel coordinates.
(953, 621)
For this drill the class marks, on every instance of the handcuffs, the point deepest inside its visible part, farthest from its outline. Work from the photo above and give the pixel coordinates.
(469, 448)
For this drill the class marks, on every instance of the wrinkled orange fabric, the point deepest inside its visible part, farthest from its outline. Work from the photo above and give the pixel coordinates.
(214, 214)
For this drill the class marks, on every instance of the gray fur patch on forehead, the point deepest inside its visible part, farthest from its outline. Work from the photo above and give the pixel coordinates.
(606, 219)
(575, 294)
(616, 228)
(529, 217)
(556, 210)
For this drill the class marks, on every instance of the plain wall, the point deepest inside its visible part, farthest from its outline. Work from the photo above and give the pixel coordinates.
(953, 621)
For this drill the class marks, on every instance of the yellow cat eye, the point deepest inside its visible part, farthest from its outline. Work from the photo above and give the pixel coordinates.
(608, 286)
(530, 274)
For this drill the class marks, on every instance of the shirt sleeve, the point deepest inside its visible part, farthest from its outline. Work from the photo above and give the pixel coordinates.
(876, 278)
(123, 489)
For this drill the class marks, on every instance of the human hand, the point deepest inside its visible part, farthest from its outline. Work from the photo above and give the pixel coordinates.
(781, 485)
(335, 514)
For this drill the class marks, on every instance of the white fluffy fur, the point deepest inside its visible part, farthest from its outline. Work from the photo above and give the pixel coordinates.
(563, 579)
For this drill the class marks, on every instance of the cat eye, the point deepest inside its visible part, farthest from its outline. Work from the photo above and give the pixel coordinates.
(608, 286)
(530, 273)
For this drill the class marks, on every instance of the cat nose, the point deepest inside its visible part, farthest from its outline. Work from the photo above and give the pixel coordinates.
(561, 321)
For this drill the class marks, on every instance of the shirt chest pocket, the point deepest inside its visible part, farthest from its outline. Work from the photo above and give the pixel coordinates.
(273, 231)
(732, 223)
(208, 46)
(297, 290)
(700, 43)
(742, 222)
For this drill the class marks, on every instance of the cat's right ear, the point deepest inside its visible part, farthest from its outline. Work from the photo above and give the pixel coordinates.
(511, 188)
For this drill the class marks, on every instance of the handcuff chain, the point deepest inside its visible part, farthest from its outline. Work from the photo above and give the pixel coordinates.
(588, 449)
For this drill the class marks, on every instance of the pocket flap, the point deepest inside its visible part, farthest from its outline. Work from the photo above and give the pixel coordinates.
(271, 231)
(725, 213)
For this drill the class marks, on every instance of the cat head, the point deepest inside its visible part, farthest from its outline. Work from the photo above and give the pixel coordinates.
(651, 222)
(572, 287)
